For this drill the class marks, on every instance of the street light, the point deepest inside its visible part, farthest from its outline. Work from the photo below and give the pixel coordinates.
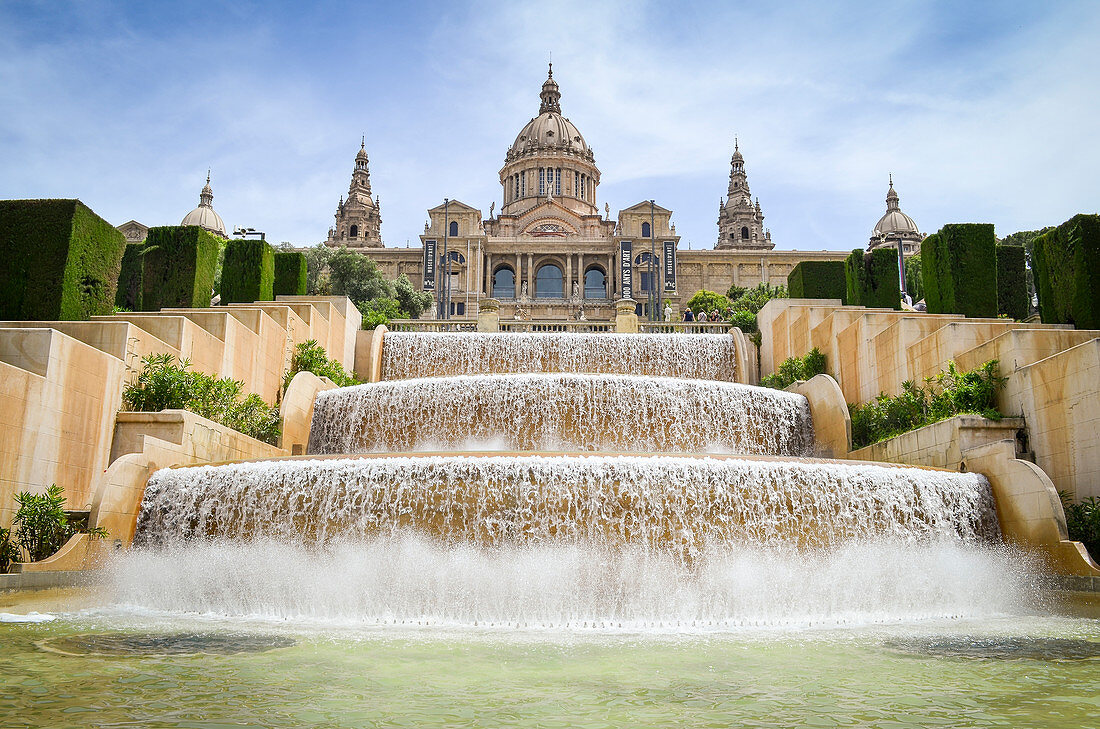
(654, 294)
(445, 293)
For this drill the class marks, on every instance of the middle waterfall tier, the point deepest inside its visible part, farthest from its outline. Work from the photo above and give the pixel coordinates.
(561, 412)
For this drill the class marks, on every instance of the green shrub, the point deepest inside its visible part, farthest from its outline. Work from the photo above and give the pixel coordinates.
(871, 279)
(290, 273)
(947, 394)
(753, 300)
(793, 369)
(411, 302)
(60, 261)
(379, 311)
(1012, 282)
(914, 281)
(163, 384)
(708, 301)
(960, 270)
(178, 267)
(40, 527)
(312, 357)
(248, 272)
(817, 280)
(1066, 263)
(1083, 522)
(744, 320)
(128, 292)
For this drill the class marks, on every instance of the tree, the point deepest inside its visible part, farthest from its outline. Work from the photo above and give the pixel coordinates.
(709, 301)
(411, 302)
(914, 281)
(357, 277)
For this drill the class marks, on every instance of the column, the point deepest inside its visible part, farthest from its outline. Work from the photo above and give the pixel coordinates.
(568, 276)
(531, 275)
(517, 280)
(580, 272)
(487, 275)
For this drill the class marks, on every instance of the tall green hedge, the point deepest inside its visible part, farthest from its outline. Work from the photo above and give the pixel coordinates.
(871, 279)
(960, 270)
(177, 267)
(58, 260)
(1011, 282)
(1066, 262)
(248, 272)
(128, 293)
(817, 280)
(290, 273)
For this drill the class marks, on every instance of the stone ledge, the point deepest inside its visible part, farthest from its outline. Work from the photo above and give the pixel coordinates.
(45, 580)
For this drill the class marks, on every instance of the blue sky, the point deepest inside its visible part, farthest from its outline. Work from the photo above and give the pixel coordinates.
(984, 112)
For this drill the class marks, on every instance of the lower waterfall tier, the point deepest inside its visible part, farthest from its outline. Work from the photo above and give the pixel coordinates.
(679, 505)
(561, 412)
(430, 354)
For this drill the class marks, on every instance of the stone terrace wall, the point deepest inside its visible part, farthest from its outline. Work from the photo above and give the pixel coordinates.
(1053, 371)
(61, 382)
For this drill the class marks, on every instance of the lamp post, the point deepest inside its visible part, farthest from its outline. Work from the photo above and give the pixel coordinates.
(445, 295)
(654, 294)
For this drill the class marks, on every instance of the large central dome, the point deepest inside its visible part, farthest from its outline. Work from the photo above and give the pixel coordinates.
(549, 131)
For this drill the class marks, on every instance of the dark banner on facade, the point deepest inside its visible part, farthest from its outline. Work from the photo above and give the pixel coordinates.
(627, 281)
(429, 265)
(670, 266)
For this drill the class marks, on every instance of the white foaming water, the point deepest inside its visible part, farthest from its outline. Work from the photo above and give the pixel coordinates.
(408, 580)
(420, 354)
(678, 505)
(562, 412)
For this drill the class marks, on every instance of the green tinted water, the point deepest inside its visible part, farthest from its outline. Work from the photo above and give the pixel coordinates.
(880, 676)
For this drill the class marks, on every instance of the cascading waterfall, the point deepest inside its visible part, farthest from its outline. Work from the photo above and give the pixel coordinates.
(561, 412)
(698, 356)
(678, 505)
(611, 517)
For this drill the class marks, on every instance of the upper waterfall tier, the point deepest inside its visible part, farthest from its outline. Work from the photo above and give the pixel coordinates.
(698, 356)
(677, 504)
(561, 412)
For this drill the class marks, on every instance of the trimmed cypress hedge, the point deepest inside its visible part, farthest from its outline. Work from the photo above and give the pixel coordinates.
(290, 273)
(177, 267)
(248, 272)
(960, 270)
(1066, 262)
(60, 260)
(817, 280)
(1011, 282)
(871, 279)
(128, 293)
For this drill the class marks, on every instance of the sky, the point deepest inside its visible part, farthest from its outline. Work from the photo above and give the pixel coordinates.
(982, 111)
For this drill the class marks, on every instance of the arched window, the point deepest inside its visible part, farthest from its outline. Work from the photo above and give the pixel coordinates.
(744, 233)
(504, 283)
(595, 284)
(456, 257)
(548, 282)
(454, 228)
(645, 230)
(354, 232)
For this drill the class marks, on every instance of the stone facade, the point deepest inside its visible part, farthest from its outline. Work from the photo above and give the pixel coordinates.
(359, 218)
(551, 253)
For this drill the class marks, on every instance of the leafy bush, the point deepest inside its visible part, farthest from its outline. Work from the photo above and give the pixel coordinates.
(1012, 297)
(178, 267)
(960, 270)
(411, 302)
(312, 357)
(817, 280)
(248, 272)
(949, 393)
(914, 278)
(1083, 522)
(746, 302)
(60, 260)
(708, 301)
(871, 279)
(40, 527)
(291, 273)
(744, 320)
(794, 369)
(1066, 260)
(163, 385)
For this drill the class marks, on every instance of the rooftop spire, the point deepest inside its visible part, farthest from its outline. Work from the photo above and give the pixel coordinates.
(550, 95)
(206, 196)
(892, 197)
